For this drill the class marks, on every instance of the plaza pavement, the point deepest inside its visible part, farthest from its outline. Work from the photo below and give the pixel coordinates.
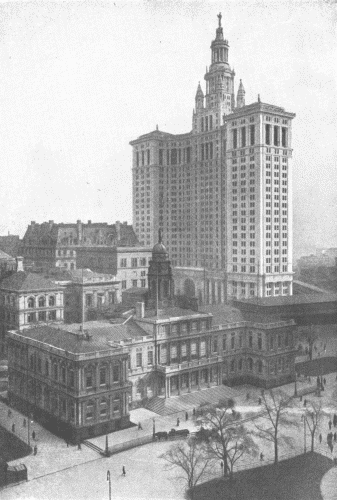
(58, 471)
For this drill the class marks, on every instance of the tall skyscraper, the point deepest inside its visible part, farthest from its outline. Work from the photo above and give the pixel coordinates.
(222, 193)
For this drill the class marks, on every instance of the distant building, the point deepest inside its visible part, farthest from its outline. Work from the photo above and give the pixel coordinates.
(7, 264)
(128, 264)
(75, 383)
(28, 299)
(10, 244)
(49, 245)
(88, 294)
(222, 192)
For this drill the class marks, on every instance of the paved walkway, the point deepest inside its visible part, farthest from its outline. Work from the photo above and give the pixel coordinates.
(329, 485)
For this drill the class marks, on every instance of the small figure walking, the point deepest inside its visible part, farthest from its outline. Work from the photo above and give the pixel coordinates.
(178, 422)
(261, 456)
(335, 420)
(13, 428)
(260, 401)
(186, 416)
(324, 380)
(335, 436)
(33, 435)
(193, 412)
(320, 439)
(123, 471)
(67, 442)
(24, 422)
(140, 428)
(301, 399)
(9, 413)
(35, 450)
(79, 447)
(330, 425)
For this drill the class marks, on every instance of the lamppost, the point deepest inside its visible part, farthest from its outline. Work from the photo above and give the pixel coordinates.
(295, 391)
(28, 427)
(153, 427)
(303, 417)
(108, 478)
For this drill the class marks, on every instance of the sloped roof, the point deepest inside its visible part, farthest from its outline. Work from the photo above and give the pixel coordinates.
(6, 256)
(28, 282)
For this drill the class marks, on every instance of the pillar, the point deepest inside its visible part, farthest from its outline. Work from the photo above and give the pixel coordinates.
(178, 384)
(209, 292)
(198, 374)
(208, 377)
(189, 381)
(216, 292)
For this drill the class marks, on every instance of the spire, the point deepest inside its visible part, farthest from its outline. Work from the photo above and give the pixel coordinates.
(199, 92)
(258, 98)
(199, 98)
(240, 100)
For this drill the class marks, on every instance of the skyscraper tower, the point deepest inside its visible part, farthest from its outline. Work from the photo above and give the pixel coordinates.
(222, 192)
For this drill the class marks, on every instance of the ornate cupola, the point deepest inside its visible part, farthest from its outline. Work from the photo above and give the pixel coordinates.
(240, 100)
(160, 279)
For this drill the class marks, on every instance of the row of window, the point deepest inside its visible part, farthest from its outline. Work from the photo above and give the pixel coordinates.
(134, 262)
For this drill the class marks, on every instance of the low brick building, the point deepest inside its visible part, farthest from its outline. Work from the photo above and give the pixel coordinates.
(74, 382)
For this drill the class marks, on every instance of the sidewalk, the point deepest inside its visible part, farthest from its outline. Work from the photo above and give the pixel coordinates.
(52, 452)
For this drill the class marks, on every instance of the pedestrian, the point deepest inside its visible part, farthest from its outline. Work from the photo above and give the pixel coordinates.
(193, 412)
(261, 456)
(305, 403)
(301, 398)
(9, 413)
(330, 425)
(335, 420)
(123, 471)
(320, 439)
(324, 380)
(140, 428)
(33, 435)
(79, 447)
(35, 450)
(13, 428)
(331, 447)
(67, 443)
(335, 437)
(186, 416)
(260, 401)
(178, 422)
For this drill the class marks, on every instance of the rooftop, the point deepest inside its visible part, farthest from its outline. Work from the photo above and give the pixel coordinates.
(71, 339)
(290, 300)
(173, 313)
(23, 281)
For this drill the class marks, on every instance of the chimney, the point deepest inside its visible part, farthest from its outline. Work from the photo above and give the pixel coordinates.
(118, 230)
(33, 223)
(140, 310)
(89, 222)
(79, 231)
(19, 264)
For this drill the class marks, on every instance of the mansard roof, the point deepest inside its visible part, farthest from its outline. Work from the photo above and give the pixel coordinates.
(23, 281)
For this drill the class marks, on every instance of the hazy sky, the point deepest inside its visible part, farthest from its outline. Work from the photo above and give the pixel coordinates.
(82, 79)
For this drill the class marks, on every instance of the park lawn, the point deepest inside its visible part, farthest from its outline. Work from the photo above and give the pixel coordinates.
(317, 366)
(11, 447)
(297, 478)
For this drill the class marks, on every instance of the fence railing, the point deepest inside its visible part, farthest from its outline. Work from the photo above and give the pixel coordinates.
(133, 443)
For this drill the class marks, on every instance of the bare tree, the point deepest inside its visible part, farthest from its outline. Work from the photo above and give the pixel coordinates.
(275, 405)
(314, 413)
(192, 459)
(227, 439)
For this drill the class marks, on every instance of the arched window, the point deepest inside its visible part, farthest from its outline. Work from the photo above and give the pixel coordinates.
(250, 364)
(31, 302)
(42, 301)
(52, 300)
(259, 366)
